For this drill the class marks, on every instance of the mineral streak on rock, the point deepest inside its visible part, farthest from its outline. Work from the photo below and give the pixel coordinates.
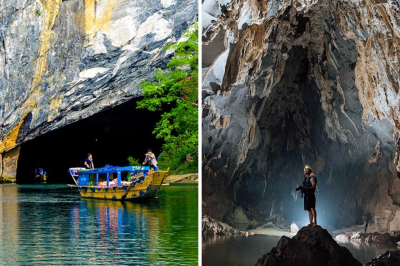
(303, 83)
(62, 61)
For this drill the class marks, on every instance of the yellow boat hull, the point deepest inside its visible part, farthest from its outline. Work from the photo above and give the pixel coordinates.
(141, 189)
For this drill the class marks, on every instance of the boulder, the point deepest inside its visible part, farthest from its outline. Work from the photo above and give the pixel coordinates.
(389, 258)
(310, 246)
(211, 226)
(373, 238)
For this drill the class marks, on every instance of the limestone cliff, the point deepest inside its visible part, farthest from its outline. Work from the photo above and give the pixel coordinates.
(302, 82)
(65, 60)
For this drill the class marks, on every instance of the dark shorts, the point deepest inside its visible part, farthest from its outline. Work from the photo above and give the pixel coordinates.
(309, 201)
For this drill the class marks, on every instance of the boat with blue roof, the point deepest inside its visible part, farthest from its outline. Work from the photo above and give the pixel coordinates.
(117, 183)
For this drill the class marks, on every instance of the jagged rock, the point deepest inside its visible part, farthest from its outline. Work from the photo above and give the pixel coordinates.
(375, 238)
(274, 221)
(356, 236)
(342, 238)
(211, 226)
(63, 61)
(295, 83)
(389, 258)
(310, 246)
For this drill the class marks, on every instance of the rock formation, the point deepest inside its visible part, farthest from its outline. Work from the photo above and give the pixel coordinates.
(62, 61)
(302, 82)
(311, 246)
(389, 258)
(212, 227)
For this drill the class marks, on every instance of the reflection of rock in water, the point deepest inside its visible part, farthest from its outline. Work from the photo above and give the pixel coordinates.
(357, 236)
(389, 258)
(310, 247)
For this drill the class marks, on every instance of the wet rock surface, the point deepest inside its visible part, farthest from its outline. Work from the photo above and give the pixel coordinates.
(389, 258)
(302, 83)
(211, 226)
(310, 246)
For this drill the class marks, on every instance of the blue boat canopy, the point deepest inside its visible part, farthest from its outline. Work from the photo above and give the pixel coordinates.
(85, 174)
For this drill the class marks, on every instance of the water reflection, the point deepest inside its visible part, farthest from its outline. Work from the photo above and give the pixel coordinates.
(9, 217)
(51, 225)
(241, 250)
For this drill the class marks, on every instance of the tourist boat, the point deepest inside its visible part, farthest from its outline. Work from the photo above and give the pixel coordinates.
(117, 183)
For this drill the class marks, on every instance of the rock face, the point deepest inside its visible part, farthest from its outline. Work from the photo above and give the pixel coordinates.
(294, 83)
(389, 258)
(212, 227)
(62, 61)
(311, 246)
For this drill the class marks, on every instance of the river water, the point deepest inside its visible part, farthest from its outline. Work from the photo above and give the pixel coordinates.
(244, 251)
(51, 225)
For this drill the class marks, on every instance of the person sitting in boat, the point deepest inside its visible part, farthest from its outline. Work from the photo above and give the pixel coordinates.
(89, 162)
(40, 175)
(151, 160)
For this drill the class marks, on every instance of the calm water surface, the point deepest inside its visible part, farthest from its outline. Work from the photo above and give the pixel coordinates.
(51, 225)
(243, 251)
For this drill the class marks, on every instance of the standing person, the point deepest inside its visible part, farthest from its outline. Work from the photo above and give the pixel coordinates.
(151, 160)
(89, 161)
(309, 185)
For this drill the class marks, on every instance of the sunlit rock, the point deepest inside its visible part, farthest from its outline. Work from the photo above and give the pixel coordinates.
(63, 61)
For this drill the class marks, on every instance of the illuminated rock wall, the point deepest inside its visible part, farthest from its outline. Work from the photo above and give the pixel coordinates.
(62, 61)
(294, 83)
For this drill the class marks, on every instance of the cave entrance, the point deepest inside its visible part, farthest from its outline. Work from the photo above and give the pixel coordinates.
(111, 136)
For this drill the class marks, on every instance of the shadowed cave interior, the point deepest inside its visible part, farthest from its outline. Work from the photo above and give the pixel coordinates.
(111, 136)
(288, 84)
(278, 134)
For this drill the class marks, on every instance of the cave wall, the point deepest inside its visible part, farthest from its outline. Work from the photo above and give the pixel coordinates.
(63, 61)
(294, 83)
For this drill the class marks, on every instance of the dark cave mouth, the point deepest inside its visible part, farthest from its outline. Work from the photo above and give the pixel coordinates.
(110, 136)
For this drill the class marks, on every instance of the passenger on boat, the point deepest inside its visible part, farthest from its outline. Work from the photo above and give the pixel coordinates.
(151, 160)
(39, 175)
(89, 162)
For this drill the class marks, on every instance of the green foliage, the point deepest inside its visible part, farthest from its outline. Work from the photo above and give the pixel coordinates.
(37, 11)
(176, 90)
(133, 161)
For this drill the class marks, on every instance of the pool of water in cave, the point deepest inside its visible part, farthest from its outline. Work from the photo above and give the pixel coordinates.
(243, 251)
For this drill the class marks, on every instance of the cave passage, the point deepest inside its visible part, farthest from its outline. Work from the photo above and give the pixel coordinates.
(111, 136)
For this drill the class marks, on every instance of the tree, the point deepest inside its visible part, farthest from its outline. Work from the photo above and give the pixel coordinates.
(176, 90)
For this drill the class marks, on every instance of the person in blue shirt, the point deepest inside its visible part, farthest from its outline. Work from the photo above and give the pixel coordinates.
(89, 162)
(40, 176)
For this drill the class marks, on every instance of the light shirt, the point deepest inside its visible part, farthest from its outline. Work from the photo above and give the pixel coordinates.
(151, 160)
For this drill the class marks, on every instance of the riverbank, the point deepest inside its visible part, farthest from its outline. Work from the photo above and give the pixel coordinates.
(183, 179)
